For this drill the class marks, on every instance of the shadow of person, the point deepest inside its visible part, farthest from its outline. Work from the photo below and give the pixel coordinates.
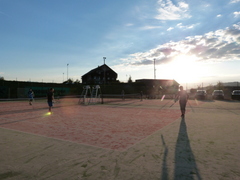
(164, 175)
(185, 164)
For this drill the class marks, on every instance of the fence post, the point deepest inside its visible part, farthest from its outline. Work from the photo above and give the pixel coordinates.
(9, 93)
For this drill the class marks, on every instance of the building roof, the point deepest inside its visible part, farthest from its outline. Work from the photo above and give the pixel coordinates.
(100, 68)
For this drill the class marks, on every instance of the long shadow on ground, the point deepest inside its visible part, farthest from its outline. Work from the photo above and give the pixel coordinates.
(185, 164)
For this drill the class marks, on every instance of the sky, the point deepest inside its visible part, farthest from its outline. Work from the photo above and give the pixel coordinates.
(190, 41)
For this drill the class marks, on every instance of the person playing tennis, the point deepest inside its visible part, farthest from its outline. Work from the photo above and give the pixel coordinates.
(183, 96)
(30, 96)
(50, 98)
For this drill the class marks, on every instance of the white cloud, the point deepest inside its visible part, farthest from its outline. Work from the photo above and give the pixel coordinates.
(169, 29)
(129, 24)
(235, 1)
(217, 46)
(219, 15)
(236, 14)
(170, 11)
(237, 26)
(181, 26)
(150, 27)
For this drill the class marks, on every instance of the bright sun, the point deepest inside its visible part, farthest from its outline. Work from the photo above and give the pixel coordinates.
(184, 69)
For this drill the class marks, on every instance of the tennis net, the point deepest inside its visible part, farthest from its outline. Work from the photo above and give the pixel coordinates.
(113, 98)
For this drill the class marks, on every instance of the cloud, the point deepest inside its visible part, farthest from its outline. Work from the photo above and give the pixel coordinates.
(237, 26)
(235, 1)
(129, 24)
(236, 14)
(219, 15)
(216, 46)
(181, 26)
(150, 27)
(169, 29)
(170, 11)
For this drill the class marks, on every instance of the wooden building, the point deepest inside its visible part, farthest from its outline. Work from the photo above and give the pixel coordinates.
(100, 75)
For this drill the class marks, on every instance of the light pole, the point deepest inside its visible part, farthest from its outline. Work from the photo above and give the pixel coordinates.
(67, 71)
(104, 70)
(104, 59)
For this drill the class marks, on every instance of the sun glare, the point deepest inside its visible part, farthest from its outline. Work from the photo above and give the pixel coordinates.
(184, 69)
(47, 114)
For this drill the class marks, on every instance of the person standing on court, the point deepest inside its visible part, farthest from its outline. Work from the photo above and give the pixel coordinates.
(30, 96)
(183, 96)
(50, 98)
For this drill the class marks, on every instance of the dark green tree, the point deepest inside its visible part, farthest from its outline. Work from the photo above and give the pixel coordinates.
(69, 81)
(77, 81)
(130, 79)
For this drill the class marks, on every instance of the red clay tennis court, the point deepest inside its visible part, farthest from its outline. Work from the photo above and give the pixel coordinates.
(116, 125)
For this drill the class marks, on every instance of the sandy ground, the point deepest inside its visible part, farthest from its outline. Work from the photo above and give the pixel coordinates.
(138, 140)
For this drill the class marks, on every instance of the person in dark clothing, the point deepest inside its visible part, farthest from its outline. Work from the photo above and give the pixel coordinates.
(50, 98)
(183, 96)
(30, 96)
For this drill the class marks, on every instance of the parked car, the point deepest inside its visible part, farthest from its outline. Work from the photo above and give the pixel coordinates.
(201, 94)
(236, 95)
(218, 94)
